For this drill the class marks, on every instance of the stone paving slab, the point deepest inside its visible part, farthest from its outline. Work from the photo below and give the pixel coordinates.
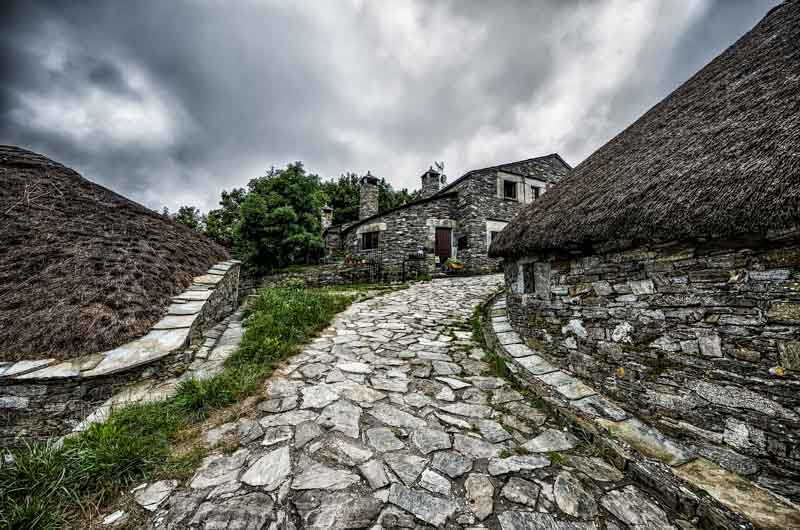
(390, 419)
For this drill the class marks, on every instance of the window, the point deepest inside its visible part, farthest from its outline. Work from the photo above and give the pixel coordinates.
(370, 240)
(534, 192)
(509, 189)
(493, 236)
(462, 243)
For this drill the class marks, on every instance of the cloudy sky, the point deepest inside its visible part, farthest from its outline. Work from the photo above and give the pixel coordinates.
(169, 102)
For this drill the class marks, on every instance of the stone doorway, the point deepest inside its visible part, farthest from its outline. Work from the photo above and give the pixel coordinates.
(444, 243)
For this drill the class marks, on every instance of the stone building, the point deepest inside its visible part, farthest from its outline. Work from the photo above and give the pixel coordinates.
(665, 269)
(459, 219)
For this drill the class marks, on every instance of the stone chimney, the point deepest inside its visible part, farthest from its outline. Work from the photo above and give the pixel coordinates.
(327, 217)
(430, 183)
(369, 196)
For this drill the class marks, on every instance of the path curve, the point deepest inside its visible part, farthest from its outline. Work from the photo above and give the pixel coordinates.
(390, 419)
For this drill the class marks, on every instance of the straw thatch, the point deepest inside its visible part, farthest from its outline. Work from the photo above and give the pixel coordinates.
(83, 269)
(718, 157)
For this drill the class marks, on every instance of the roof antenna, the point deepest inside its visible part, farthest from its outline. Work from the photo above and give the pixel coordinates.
(440, 170)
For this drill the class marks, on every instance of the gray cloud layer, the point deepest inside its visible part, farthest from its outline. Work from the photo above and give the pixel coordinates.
(170, 102)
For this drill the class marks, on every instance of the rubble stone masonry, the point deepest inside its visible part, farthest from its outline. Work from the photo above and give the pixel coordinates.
(699, 339)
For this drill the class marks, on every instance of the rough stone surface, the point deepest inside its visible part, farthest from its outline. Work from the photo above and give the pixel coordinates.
(318, 476)
(521, 491)
(407, 467)
(635, 508)
(219, 469)
(551, 440)
(693, 336)
(513, 464)
(429, 440)
(434, 482)
(247, 511)
(538, 521)
(270, 470)
(152, 495)
(451, 463)
(384, 440)
(424, 506)
(572, 498)
(480, 493)
(370, 453)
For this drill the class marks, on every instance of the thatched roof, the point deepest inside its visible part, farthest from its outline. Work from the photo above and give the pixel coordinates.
(719, 156)
(83, 269)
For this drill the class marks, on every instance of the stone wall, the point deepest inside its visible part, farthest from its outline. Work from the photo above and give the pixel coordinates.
(321, 275)
(405, 231)
(478, 204)
(701, 340)
(47, 398)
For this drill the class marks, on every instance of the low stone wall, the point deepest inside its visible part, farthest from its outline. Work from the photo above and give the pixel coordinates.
(700, 339)
(47, 398)
(320, 275)
(702, 491)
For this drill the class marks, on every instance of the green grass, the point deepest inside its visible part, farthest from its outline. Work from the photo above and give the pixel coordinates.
(497, 365)
(475, 325)
(49, 484)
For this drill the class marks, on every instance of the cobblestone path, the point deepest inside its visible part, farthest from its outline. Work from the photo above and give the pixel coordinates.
(391, 420)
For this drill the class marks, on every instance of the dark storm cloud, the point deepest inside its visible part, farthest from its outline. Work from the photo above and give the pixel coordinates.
(170, 102)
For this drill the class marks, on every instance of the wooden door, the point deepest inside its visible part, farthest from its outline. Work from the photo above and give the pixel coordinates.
(444, 244)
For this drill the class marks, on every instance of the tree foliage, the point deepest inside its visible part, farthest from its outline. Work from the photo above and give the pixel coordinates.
(388, 198)
(276, 220)
(220, 223)
(280, 219)
(189, 216)
(344, 195)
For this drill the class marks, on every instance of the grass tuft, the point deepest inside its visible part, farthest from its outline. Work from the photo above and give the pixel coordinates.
(497, 365)
(47, 481)
(555, 458)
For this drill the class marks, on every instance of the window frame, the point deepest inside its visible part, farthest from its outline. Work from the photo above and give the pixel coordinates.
(374, 238)
(510, 185)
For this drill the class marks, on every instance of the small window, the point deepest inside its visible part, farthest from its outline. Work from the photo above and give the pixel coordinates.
(493, 236)
(534, 192)
(370, 240)
(529, 278)
(462, 243)
(509, 189)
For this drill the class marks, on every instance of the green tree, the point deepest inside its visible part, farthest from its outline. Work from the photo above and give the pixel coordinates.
(343, 196)
(280, 219)
(189, 216)
(221, 222)
(388, 198)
